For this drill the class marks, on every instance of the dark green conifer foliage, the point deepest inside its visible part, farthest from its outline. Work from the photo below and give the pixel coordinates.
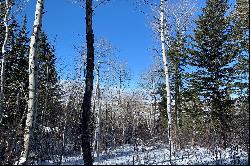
(213, 57)
(15, 89)
(49, 116)
(49, 112)
(240, 35)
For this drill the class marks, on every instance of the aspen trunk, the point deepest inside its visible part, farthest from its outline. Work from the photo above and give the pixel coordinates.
(106, 127)
(98, 112)
(86, 128)
(63, 136)
(193, 133)
(166, 72)
(193, 123)
(123, 132)
(154, 107)
(177, 105)
(4, 47)
(32, 80)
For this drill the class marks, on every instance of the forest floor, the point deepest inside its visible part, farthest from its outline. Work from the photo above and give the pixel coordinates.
(142, 155)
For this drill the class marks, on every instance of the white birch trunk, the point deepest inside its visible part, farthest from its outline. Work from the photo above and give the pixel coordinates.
(166, 71)
(4, 47)
(194, 132)
(123, 132)
(98, 113)
(32, 80)
(64, 131)
(154, 106)
(98, 131)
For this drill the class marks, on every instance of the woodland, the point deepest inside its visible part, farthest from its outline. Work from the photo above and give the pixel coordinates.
(193, 96)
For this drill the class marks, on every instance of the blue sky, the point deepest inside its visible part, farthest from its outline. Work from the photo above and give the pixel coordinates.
(118, 21)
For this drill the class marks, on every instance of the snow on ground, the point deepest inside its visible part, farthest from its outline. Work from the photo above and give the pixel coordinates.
(128, 155)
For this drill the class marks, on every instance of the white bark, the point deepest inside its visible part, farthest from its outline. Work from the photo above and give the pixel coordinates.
(154, 106)
(194, 131)
(32, 80)
(166, 71)
(98, 113)
(64, 131)
(4, 47)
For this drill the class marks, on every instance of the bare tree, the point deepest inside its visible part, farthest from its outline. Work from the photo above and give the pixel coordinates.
(86, 104)
(150, 81)
(104, 52)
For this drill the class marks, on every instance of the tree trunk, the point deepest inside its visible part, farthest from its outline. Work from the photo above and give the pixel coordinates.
(98, 112)
(166, 71)
(106, 127)
(86, 128)
(32, 80)
(4, 47)
(177, 104)
(155, 107)
(63, 136)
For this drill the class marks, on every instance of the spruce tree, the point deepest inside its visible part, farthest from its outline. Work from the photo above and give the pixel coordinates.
(178, 62)
(243, 11)
(240, 22)
(177, 58)
(15, 98)
(240, 36)
(49, 107)
(213, 56)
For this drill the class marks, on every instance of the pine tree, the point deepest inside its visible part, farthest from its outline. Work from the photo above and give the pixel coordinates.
(22, 52)
(49, 107)
(243, 11)
(213, 56)
(240, 36)
(178, 62)
(240, 22)
(15, 98)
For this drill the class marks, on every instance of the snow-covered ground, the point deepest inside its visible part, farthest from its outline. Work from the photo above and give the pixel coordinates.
(128, 155)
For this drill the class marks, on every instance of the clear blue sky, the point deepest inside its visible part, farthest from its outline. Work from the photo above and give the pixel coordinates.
(118, 21)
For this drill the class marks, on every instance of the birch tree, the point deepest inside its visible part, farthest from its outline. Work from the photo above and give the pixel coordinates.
(98, 112)
(150, 81)
(166, 70)
(32, 80)
(104, 52)
(8, 5)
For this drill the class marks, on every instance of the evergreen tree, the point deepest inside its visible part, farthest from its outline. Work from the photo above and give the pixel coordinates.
(49, 113)
(243, 11)
(178, 77)
(193, 117)
(240, 36)
(240, 22)
(15, 98)
(178, 62)
(49, 117)
(213, 57)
